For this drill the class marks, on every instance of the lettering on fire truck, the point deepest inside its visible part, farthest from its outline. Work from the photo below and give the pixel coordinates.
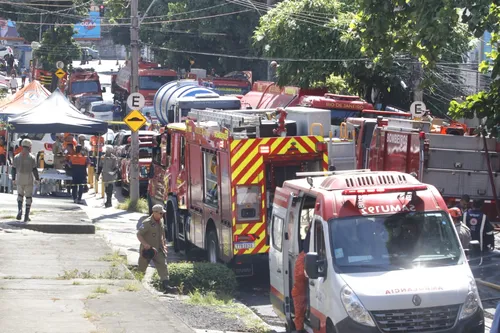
(387, 209)
(398, 139)
(348, 106)
(412, 290)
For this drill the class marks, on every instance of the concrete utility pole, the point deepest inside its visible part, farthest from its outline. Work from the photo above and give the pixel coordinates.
(134, 87)
(418, 93)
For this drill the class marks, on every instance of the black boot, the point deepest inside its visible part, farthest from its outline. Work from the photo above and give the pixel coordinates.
(166, 288)
(27, 215)
(19, 210)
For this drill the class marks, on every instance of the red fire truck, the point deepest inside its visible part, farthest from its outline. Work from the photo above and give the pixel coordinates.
(83, 87)
(151, 78)
(216, 176)
(455, 164)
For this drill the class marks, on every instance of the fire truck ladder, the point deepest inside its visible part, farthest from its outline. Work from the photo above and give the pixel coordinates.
(230, 119)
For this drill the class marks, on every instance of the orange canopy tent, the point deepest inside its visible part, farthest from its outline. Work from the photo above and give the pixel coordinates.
(25, 99)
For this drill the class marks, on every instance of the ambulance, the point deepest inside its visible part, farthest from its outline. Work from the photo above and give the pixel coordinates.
(383, 256)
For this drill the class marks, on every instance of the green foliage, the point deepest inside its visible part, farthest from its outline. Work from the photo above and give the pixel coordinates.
(57, 45)
(200, 276)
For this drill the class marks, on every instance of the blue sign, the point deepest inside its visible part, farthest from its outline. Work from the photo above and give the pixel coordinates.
(89, 28)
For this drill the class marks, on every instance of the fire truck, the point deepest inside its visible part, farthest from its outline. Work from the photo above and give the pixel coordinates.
(455, 164)
(216, 174)
(383, 255)
(83, 87)
(151, 78)
(233, 83)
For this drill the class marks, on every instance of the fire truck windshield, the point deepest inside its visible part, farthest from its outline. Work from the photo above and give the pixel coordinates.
(339, 116)
(393, 242)
(80, 87)
(154, 82)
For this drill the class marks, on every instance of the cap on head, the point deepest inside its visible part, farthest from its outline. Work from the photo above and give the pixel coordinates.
(455, 212)
(26, 143)
(81, 136)
(108, 149)
(158, 209)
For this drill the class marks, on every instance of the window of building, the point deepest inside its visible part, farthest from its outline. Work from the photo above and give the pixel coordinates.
(211, 179)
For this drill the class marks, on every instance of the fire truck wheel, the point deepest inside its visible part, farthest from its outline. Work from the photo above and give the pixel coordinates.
(330, 328)
(212, 247)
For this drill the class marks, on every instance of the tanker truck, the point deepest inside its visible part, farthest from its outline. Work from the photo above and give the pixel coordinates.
(174, 100)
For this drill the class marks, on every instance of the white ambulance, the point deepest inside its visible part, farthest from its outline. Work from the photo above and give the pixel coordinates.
(383, 256)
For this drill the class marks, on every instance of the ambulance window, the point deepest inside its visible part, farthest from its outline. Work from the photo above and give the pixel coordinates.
(277, 233)
(319, 239)
(211, 179)
(306, 218)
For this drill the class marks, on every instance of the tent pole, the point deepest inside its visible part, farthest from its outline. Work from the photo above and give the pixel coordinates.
(96, 182)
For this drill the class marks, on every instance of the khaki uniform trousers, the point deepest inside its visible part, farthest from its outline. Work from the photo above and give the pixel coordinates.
(160, 263)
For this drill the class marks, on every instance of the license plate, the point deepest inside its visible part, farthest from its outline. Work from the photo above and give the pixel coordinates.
(241, 246)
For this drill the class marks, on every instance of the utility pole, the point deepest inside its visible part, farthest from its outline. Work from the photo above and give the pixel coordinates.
(134, 87)
(40, 32)
(418, 93)
(270, 71)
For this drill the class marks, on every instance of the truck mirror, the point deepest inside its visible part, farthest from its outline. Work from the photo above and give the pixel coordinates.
(312, 265)
(103, 89)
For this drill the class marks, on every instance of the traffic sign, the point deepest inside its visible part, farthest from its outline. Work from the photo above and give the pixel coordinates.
(135, 120)
(418, 109)
(136, 101)
(60, 73)
(60, 64)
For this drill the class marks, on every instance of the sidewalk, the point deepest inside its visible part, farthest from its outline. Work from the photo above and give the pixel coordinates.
(73, 283)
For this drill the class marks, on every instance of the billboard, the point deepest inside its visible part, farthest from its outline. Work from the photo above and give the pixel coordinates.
(90, 28)
(8, 30)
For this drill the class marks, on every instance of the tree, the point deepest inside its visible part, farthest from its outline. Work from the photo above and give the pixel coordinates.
(325, 29)
(426, 29)
(57, 45)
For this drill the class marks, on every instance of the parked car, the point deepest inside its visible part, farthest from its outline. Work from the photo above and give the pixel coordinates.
(100, 110)
(93, 54)
(5, 50)
(41, 142)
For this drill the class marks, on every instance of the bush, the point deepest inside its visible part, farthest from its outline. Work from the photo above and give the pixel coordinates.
(201, 277)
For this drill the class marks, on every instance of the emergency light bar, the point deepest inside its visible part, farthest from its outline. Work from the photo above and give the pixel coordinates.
(367, 191)
(329, 173)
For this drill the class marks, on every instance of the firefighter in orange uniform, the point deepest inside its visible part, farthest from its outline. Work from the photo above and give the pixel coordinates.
(299, 290)
(79, 165)
(3, 151)
(69, 139)
(97, 143)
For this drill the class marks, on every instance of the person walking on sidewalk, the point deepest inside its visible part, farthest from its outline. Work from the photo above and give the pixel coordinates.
(153, 246)
(108, 167)
(24, 169)
(79, 165)
(13, 84)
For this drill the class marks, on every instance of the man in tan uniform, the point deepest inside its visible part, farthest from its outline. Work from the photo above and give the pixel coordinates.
(24, 169)
(151, 234)
(58, 151)
(108, 167)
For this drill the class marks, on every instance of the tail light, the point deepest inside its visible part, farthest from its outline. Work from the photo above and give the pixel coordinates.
(48, 146)
(244, 238)
(321, 146)
(421, 135)
(367, 191)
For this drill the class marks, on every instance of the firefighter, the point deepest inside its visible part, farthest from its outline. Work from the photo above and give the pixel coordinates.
(151, 234)
(79, 165)
(58, 151)
(462, 230)
(108, 167)
(464, 203)
(19, 148)
(480, 226)
(299, 290)
(69, 139)
(3, 151)
(24, 169)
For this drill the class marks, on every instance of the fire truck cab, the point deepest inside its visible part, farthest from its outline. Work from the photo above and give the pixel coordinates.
(216, 174)
(384, 255)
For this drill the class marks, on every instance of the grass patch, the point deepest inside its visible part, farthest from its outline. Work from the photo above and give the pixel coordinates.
(204, 277)
(90, 316)
(131, 287)
(246, 316)
(9, 277)
(7, 217)
(100, 290)
(140, 207)
(115, 258)
(111, 274)
(209, 299)
(93, 296)
(138, 275)
(76, 283)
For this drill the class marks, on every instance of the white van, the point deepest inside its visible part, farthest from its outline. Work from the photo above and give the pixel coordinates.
(384, 256)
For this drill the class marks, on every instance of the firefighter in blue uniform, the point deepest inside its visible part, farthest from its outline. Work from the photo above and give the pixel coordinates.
(480, 226)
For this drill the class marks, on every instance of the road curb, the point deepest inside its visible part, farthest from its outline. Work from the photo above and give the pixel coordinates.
(49, 228)
(488, 284)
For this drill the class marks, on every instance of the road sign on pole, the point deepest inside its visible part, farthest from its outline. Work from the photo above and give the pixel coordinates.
(135, 120)
(136, 101)
(60, 64)
(60, 73)
(417, 109)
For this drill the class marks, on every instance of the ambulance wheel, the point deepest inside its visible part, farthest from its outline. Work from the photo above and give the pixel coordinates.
(212, 247)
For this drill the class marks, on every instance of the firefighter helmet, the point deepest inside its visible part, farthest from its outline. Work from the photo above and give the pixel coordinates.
(455, 212)
(26, 143)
